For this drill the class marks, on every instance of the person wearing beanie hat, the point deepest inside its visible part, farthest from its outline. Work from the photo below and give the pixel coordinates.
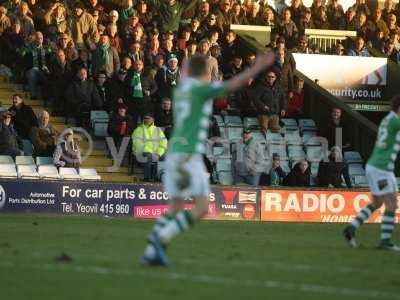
(120, 124)
(168, 78)
(149, 145)
(10, 142)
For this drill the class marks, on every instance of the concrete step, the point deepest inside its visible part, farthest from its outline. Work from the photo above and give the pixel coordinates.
(109, 177)
(94, 162)
(121, 170)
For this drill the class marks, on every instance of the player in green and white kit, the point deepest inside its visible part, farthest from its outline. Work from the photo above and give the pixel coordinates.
(381, 180)
(185, 172)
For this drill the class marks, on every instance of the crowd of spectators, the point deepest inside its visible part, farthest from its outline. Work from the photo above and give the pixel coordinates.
(124, 56)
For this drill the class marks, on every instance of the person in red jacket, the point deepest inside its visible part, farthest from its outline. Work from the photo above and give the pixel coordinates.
(296, 103)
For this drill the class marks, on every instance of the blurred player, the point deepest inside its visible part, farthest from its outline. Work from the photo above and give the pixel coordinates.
(381, 180)
(185, 172)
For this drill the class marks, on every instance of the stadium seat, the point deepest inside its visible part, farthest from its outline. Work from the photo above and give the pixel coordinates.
(44, 160)
(219, 119)
(8, 171)
(6, 159)
(69, 174)
(307, 125)
(296, 152)
(160, 169)
(356, 169)
(360, 181)
(275, 138)
(218, 150)
(223, 164)
(290, 124)
(309, 138)
(99, 122)
(314, 153)
(314, 168)
(353, 157)
(24, 160)
(233, 121)
(89, 174)
(293, 138)
(313, 141)
(278, 149)
(251, 122)
(225, 178)
(234, 133)
(257, 135)
(48, 172)
(27, 172)
(285, 166)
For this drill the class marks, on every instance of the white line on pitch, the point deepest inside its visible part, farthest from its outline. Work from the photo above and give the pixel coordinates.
(212, 279)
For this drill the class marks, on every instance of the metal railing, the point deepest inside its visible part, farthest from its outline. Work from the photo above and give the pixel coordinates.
(325, 40)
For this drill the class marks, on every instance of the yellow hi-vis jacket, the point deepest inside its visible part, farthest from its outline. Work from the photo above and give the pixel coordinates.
(150, 139)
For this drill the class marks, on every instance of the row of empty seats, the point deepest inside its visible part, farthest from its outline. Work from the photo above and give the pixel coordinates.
(26, 167)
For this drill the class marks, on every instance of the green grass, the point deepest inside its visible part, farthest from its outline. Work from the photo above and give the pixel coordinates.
(217, 260)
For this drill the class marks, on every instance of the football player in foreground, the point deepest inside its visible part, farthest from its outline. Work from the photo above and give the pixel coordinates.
(185, 172)
(381, 180)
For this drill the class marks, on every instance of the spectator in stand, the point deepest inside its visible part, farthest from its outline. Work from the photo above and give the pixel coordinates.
(10, 141)
(336, 16)
(44, 136)
(163, 116)
(224, 14)
(268, 19)
(389, 8)
(140, 92)
(391, 22)
(152, 51)
(287, 28)
(83, 28)
(120, 124)
(26, 22)
(190, 50)
(115, 40)
(203, 11)
(390, 51)
(238, 15)
(351, 20)
(235, 67)
(333, 131)
(247, 167)
(296, 11)
(170, 12)
(210, 24)
(101, 83)
(61, 75)
(197, 32)
(167, 78)
(339, 49)
(126, 11)
(321, 21)
(82, 97)
(243, 100)
(302, 46)
(376, 24)
(56, 18)
(67, 153)
(271, 103)
(105, 58)
(230, 49)
(13, 45)
(253, 16)
(212, 63)
(306, 21)
(359, 49)
(36, 60)
(330, 172)
(276, 174)
(23, 117)
(115, 89)
(299, 176)
(5, 22)
(149, 146)
(67, 45)
(361, 7)
(282, 63)
(361, 26)
(315, 6)
(296, 103)
(113, 17)
(83, 61)
(145, 15)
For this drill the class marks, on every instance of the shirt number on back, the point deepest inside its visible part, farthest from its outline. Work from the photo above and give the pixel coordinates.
(382, 135)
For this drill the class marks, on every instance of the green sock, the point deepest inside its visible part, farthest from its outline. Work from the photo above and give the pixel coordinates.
(387, 226)
(181, 223)
(363, 215)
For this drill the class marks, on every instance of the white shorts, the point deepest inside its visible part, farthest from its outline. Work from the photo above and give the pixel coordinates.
(186, 176)
(381, 182)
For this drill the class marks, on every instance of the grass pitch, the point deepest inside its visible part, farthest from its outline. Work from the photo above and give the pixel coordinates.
(217, 260)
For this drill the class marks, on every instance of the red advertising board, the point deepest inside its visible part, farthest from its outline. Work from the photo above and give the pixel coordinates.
(315, 206)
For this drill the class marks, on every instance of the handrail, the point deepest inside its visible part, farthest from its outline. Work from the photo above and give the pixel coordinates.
(331, 33)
